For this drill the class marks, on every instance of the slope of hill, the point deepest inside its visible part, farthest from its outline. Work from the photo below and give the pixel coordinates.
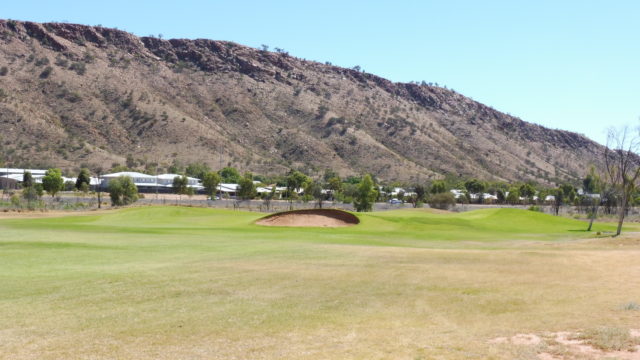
(74, 94)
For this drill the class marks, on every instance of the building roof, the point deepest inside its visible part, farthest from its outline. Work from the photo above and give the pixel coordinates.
(173, 176)
(132, 174)
(21, 171)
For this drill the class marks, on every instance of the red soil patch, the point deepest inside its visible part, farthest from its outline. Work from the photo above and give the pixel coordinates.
(311, 218)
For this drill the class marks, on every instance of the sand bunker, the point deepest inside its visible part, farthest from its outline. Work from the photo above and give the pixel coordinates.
(310, 218)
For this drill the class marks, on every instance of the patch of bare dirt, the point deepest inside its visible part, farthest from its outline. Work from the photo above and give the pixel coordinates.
(311, 218)
(574, 345)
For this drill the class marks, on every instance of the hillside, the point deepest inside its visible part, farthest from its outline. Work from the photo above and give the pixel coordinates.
(74, 94)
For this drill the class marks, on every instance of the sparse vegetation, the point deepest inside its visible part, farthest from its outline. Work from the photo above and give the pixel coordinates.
(610, 339)
(46, 72)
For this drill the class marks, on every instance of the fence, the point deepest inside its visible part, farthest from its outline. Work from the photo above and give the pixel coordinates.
(68, 201)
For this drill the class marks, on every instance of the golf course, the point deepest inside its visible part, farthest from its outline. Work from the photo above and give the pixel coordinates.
(195, 283)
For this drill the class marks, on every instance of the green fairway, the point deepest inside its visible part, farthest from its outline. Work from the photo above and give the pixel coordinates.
(195, 283)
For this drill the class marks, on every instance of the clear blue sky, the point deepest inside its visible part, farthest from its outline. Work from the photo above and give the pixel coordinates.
(563, 64)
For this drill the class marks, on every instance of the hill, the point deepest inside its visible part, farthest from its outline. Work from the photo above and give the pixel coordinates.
(73, 94)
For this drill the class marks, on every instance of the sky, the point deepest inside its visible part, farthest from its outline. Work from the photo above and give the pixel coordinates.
(569, 65)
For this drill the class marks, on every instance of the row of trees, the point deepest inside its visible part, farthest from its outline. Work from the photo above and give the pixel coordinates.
(617, 185)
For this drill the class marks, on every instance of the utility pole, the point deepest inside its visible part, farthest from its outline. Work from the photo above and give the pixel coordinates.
(99, 186)
(157, 162)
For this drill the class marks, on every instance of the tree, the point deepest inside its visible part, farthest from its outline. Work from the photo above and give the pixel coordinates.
(246, 188)
(197, 170)
(475, 186)
(295, 179)
(210, 181)
(438, 187)
(32, 193)
(527, 191)
(559, 199)
(592, 185)
(230, 175)
(27, 180)
(83, 178)
(181, 185)
(98, 172)
(622, 168)
(569, 192)
(313, 189)
(122, 191)
(266, 200)
(419, 197)
(366, 195)
(514, 196)
(52, 181)
(335, 185)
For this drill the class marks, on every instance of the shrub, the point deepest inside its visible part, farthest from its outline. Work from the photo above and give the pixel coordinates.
(631, 306)
(122, 191)
(46, 72)
(4, 70)
(610, 339)
(69, 185)
(42, 61)
(442, 201)
(78, 67)
(15, 200)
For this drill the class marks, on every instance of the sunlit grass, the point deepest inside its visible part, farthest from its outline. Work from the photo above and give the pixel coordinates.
(177, 282)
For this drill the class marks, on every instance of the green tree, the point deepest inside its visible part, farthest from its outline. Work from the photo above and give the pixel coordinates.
(52, 181)
(475, 186)
(559, 200)
(123, 191)
(335, 185)
(419, 197)
(27, 179)
(210, 181)
(295, 179)
(514, 196)
(527, 191)
(313, 190)
(569, 192)
(230, 175)
(438, 187)
(197, 170)
(83, 178)
(366, 195)
(32, 193)
(181, 185)
(246, 188)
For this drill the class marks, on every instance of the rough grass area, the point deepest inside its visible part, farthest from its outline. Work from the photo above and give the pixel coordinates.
(192, 283)
(610, 339)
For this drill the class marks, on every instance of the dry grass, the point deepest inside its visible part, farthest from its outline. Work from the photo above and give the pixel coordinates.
(188, 283)
(610, 339)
